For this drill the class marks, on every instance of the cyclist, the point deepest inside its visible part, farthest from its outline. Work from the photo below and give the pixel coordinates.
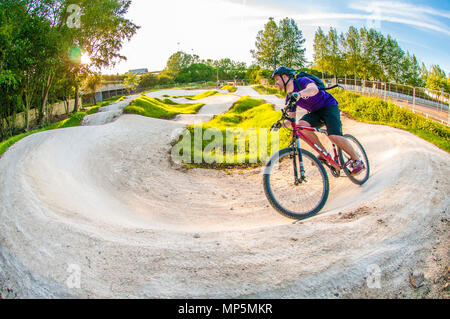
(322, 109)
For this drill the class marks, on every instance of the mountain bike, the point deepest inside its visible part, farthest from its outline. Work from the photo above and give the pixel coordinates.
(296, 182)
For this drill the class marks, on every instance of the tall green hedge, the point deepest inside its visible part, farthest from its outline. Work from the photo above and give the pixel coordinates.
(377, 111)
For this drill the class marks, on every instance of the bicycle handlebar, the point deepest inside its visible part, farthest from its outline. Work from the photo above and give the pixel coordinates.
(284, 116)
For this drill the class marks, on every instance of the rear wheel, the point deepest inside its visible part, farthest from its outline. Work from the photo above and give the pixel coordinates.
(345, 158)
(291, 199)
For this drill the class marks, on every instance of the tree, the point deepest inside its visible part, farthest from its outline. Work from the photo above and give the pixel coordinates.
(164, 78)
(321, 49)
(268, 46)
(410, 70)
(200, 72)
(437, 80)
(352, 49)
(369, 65)
(131, 82)
(292, 52)
(179, 61)
(423, 74)
(393, 55)
(148, 80)
(103, 29)
(380, 43)
(334, 58)
(92, 83)
(36, 42)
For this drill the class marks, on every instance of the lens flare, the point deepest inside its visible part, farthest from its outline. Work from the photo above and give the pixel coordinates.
(85, 59)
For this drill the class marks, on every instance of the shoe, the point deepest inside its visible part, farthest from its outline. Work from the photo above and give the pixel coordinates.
(357, 167)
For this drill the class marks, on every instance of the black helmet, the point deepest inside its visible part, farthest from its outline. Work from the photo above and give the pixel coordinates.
(284, 70)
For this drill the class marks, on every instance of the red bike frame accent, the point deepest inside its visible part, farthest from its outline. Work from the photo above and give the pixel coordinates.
(297, 131)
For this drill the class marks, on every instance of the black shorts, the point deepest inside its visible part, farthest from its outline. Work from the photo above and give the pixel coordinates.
(330, 116)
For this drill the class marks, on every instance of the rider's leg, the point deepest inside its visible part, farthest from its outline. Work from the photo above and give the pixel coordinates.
(311, 135)
(332, 117)
(345, 145)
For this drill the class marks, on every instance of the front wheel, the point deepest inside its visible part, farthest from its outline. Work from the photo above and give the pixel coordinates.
(344, 158)
(292, 198)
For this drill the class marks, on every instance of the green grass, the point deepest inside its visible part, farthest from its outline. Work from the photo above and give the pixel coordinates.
(158, 108)
(269, 90)
(198, 96)
(230, 88)
(375, 110)
(93, 110)
(73, 120)
(246, 113)
(106, 102)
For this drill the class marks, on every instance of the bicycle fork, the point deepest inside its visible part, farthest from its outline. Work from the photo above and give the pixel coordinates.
(297, 151)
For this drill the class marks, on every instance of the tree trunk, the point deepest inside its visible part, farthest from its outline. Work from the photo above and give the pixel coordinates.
(28, 97)
(27, 117)
(45, 98)
(66, 105)
(27, 111)
(76, 106)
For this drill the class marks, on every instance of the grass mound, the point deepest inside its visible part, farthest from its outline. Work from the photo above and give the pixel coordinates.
(250, 120)
(160, 108)
(230, 88)
(198, 96)
(269, 90)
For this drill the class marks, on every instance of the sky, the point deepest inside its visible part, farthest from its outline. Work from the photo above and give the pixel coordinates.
(216, 29)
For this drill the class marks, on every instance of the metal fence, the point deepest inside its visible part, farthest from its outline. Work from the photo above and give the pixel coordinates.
(431, 104)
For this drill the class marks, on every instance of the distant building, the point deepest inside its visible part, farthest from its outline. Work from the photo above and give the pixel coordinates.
(139, 71)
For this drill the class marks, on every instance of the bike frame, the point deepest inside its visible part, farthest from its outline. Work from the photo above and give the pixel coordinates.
(297, 134)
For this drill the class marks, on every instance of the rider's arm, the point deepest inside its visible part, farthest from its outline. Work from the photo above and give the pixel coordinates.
(311, 90)
(287, 124)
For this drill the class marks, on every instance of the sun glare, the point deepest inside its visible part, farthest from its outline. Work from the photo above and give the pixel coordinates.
(85, 59)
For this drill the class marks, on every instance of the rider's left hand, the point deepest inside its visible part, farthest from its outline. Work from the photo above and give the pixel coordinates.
(293, 97)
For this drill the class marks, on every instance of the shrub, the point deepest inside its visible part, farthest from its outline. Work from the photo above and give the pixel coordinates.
(230, 88)
(157, 108)
(377, 111)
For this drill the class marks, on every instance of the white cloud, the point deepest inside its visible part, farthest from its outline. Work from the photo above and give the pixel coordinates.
(404, 13)
(399, 8)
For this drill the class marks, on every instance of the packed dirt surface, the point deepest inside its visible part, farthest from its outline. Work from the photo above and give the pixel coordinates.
(100, 211)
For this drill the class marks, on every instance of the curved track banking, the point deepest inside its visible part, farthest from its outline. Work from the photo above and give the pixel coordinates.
(105, 200)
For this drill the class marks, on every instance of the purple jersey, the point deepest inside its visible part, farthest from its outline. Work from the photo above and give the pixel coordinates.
(316, 102)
